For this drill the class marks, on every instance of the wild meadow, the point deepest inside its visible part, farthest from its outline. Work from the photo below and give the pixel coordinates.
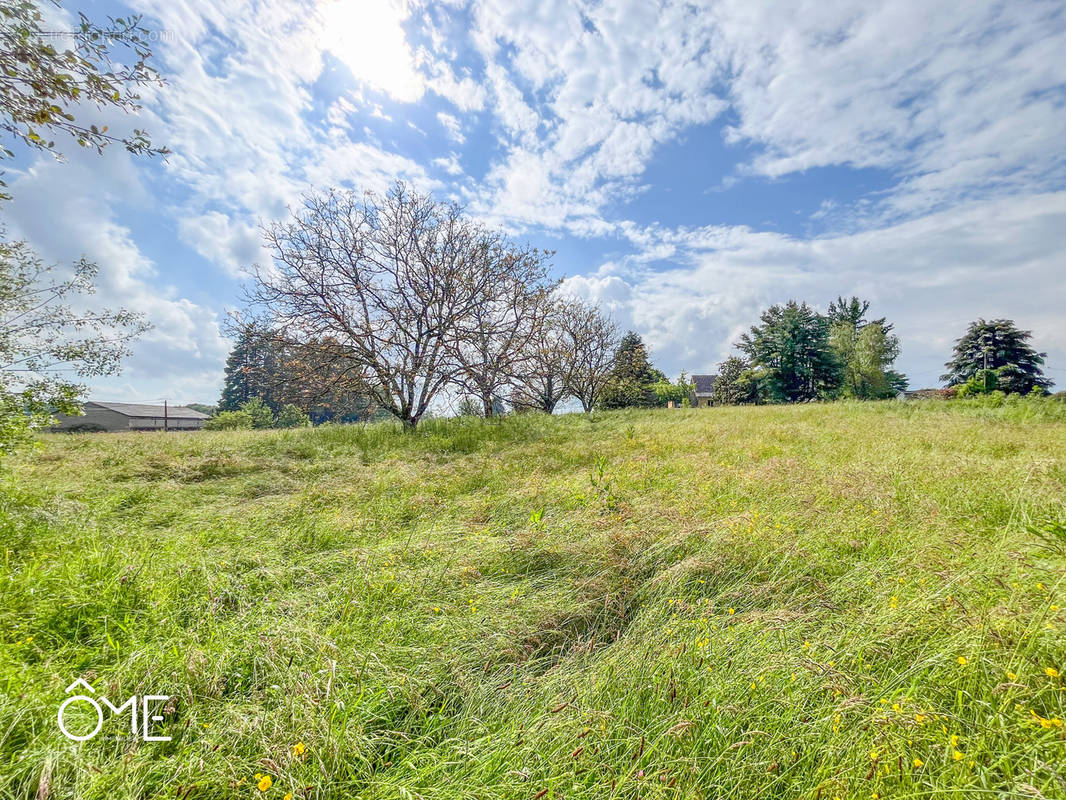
(811, 601)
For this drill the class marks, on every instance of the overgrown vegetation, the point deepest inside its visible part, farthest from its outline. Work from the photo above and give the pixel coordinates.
(812, 601)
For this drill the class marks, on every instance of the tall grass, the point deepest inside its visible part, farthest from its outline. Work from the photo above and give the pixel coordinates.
(823, 601)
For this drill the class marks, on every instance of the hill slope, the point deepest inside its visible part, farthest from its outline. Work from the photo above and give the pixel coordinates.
(819, 601)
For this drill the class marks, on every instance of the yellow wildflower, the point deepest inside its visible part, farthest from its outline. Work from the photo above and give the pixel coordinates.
(958, 756)
(873, 755)
(897, 707)
(288, 796)
(732, 611)
(962, 661)
(265, 783)
(919, 763)
(299, 749)
(893, 602)
(1011, 676)
(1051, 672)
(954, 740)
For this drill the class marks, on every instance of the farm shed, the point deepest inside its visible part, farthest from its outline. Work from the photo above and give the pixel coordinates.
(132, 417)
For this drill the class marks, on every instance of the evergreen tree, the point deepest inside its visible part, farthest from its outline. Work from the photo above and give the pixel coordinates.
(633, 377)
(252, 371)
(997, 345)
(734, 385)
(791, 354)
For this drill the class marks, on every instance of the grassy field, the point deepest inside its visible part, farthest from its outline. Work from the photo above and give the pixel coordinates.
(776, 602)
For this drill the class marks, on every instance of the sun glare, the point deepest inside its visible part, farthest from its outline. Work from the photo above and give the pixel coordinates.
(368, 37)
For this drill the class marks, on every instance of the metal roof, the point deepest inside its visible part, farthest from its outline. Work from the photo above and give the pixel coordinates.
(704, 383)
(145, 410)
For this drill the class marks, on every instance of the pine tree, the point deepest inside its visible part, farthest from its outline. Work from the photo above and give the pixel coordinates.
(633, 377)
(253, 370)
(791, 354)
(997, 345)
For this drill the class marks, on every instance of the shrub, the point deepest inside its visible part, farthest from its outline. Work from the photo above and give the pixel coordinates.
(259, 412)
(291, 416)
(229, 421)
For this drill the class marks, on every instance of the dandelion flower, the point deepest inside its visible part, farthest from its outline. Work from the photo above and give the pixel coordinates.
(1051, 672)
(962, 661)
(265, 783)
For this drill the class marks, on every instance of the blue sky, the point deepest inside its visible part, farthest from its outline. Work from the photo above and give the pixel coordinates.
(690, 164)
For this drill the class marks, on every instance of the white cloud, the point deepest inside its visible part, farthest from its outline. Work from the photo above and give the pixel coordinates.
(223, 240)
(181, 356)
(930, 276)
(453, 126)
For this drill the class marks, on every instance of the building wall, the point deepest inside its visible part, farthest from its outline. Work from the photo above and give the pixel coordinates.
(114, 421)
(94, 415)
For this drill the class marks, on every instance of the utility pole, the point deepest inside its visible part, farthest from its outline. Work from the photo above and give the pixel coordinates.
(166, 421)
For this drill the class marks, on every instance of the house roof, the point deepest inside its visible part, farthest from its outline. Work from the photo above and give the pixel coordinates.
(704, 383)
(145, 410)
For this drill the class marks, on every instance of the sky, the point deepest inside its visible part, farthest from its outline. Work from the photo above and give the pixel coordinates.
(689, 163)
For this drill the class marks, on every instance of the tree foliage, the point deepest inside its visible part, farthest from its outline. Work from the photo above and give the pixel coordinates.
(865, 351)
(791, 351)
(997, 345)
(632, 379)
(48, 339)
(229, 421)
(733, 384)
(46, 76)
(678, 393)
(292, 416)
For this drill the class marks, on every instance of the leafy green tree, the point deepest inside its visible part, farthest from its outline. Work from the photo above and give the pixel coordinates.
(865, 350)
(997, 345)
(679, 392)
(791, 354)
(259, 411)
(734, 384)
(292, 416)
(632, 376)
(42, 86)
(46, 339)
(229, 421)
(866, 354)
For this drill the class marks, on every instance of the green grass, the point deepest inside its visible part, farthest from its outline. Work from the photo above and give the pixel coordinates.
(763, 602)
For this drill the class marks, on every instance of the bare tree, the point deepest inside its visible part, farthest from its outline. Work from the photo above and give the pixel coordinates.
(591, 339)
(493, 344)
(546, 364)
(389, 281)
